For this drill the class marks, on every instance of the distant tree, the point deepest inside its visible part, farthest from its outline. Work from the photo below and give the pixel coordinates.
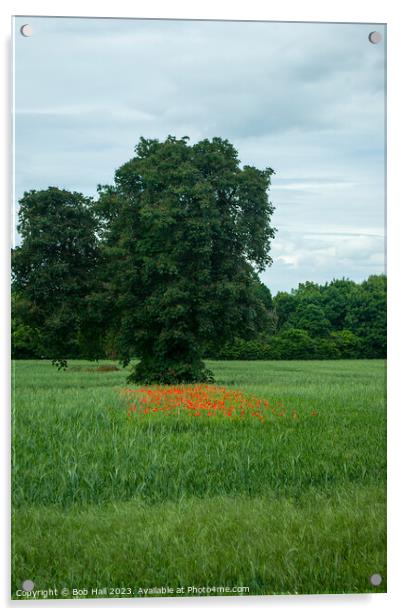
(285, 305)
(264, 294)
(367, 316)
(310, 291)
(25, 339)
(293, 344)
(336, 300)
(347, 343)
(325, 348)
(185, 230)
(244, 349)
(311, 318)
(344, 319)
(53, 270)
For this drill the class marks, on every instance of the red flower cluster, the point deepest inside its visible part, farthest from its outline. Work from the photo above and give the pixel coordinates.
(204, 401)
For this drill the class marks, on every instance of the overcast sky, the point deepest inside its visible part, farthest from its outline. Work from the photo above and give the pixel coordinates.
(307, 100)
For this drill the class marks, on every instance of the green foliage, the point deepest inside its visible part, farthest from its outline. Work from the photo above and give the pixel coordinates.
(339, 320)
(185, 230)
(53, 273)
(311, 318)
(348, 345)
(336, 299)
(61, 364)
(343, 319)
(284, 305)
(169, 370)
(242, 349)
(294, 344)
(367, 316)
(25, 339)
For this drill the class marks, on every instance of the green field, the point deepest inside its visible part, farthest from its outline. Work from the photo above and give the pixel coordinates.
(101, 500)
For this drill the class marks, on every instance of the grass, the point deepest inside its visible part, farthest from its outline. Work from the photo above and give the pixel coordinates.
(101, 500)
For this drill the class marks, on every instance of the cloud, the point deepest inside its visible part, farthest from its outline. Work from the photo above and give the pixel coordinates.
(306, 99)
(319, 257)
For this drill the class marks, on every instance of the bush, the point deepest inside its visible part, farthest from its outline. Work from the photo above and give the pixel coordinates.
(293, 344)
(326, 348)
(347, 343)
(24, 341)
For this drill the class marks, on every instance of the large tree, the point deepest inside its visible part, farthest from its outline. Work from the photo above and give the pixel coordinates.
(185, 230)
(53, 272)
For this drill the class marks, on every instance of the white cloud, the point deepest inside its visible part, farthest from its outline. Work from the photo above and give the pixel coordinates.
(320, 257)
(305, 99)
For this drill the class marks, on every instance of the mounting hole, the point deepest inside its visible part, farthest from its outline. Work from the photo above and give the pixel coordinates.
(28, 585)
(375, 579)
(375, 37)
(26, 30)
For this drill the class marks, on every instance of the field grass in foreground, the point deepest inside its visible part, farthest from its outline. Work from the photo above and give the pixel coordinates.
(101, 500)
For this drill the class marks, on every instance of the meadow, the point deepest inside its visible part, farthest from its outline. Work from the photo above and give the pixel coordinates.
(103, 498)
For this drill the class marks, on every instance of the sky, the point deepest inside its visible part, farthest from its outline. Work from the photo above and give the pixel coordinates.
(306, 99)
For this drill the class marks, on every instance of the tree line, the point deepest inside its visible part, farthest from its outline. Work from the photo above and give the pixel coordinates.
(338, 320)
(164, 265)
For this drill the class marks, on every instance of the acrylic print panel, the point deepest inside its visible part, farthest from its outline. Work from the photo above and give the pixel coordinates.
(199, 308)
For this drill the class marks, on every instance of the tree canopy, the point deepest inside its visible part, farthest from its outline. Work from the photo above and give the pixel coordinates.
(185, 230)
(53, 271)
(338, 320)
